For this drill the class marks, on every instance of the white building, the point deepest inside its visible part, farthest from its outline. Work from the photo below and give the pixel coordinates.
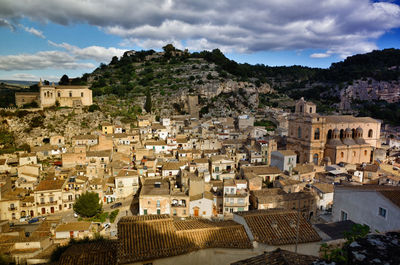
(126, 183)
(201, 205)
(373, 205)
(285, 160)
(325, 195)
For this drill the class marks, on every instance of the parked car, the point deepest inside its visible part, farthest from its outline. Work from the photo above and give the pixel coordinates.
(116, 205)
(76, 215)
(33, 220)
(107, 225)
(24, 218)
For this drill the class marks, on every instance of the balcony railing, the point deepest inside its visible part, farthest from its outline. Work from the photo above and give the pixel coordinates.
(235, 204)
(12, 208)
(49, 203)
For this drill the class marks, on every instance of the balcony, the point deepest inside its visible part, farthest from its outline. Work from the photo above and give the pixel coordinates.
(49, 203)
(12, 208)
(235, 204)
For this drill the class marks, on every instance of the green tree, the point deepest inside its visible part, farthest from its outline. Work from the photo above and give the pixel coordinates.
(169, 48)
(64, 80)
(93, 108)
(148, 104)
(88, 205)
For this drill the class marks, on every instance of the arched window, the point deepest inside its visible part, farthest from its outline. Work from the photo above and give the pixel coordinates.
(353, 133)
(354, 153)
(341, 154)
(365, 152)
(315, 159)
(301, 108)
(299, 132)
(329, 134)
(341, 134)
(316, 134)
(310, 110)
(370, 133)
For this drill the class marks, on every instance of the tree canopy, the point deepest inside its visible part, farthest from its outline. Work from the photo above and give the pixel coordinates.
(88, 205)
(64, 80)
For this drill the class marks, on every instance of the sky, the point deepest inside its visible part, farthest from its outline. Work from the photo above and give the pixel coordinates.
(48, 38)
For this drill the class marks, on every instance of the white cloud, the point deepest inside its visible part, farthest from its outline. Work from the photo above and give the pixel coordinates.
(343, 27)
(24, 77)
(33, 31)
(320, 55)
(42, 60)
(97, 53)
(6, 23)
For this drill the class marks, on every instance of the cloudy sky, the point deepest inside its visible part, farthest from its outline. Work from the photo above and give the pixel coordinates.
(47, 38)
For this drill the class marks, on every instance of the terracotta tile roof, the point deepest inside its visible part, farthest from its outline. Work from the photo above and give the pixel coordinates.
(206, 195)
(149, 187)
(392, 195)
(201, 161)
(95, 253)
(303, 169)
(84, 137)
(286, 152)
(278, 257)
(348, 119)
(105, 153)
(74, 226)
(155, 143)
(151, 237)
(49, 184)
(324, 187)
(278, 227)
(261, 170)
(173, 165)
(127, 173)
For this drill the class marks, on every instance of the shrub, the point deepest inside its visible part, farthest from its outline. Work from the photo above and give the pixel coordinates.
(113, 215)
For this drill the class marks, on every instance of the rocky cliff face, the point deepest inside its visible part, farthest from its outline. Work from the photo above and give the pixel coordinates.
(369, 90)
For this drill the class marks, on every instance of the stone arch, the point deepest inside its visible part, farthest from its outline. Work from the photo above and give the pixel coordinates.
(370, 133)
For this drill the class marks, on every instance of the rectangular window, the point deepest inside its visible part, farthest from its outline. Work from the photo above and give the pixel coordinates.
(343, 216)
(145, 211)
(382, 212)
(82, 94)
(216, 169)
(158, 203)
(158, 211)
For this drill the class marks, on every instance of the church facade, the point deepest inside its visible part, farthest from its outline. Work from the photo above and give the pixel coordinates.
(337, 138)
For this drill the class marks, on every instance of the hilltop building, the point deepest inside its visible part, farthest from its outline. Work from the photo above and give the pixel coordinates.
(49, 95)
(335, 139)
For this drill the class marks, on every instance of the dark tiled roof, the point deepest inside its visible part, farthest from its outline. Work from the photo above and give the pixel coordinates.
(392, 195)
(95, 253)
(156, 236)
(278, 227)
(278, 257)
(48, 184)
(336, 230)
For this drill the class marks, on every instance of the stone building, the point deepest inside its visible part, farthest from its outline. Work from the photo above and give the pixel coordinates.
(23, 98)
(337, 138)
(49, 95)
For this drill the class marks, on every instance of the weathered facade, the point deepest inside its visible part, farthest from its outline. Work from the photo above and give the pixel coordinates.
(338, 138)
